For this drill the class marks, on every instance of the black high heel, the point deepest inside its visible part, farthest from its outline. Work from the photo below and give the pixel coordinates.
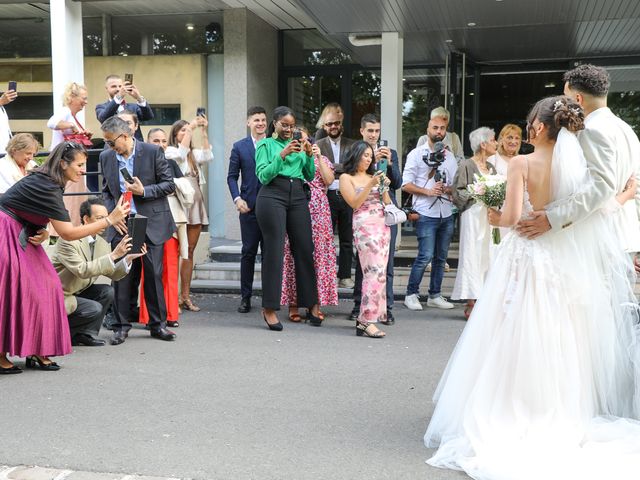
(10, 370)
(36, 362)
(276, 327)
(362, 330)
(313, 320)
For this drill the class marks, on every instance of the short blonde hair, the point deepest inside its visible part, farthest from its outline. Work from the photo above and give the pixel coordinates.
(21, 141)
(440, 112)
(332, 107)
(71, 90)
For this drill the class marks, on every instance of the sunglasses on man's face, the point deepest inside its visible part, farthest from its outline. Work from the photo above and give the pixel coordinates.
(337, 123)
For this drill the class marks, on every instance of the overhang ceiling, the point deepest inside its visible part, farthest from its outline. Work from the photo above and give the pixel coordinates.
(505, 31)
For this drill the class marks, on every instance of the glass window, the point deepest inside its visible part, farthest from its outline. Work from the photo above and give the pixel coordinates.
(309, 47)
(163, 115)
(30, 107)
(624, 94)
(308, 94)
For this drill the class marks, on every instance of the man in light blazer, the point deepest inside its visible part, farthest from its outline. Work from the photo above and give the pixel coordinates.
(335, 147)
(242, 162)
(79, 263)
(152, 183)
(612, 152)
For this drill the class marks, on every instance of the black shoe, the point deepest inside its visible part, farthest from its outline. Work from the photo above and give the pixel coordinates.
(10, 370)
(245, 305)
(163, 334)
(390, 319)
(355, 313)
(87, 340)
(36, 362)
(313, 320)
(118, 337)
(173, 324)
(276, 327)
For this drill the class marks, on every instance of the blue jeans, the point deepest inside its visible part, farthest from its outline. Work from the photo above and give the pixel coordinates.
(434, 236)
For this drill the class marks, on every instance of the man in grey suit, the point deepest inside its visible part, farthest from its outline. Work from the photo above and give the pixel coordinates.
(335, 147)
(612, 152)
(152, 182)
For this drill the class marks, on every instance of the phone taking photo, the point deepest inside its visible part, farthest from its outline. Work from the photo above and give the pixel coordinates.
(200, 112)
(381, 166)
(126, 175)
(297, 135)
(128, 78)
(13, 86)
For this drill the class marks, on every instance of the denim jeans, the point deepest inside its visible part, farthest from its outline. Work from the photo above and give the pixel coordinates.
(434, 237)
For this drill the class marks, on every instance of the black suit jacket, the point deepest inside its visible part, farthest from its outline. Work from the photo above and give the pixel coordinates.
(110, 108)
(327, 151)
(243, 161)
(152, 168)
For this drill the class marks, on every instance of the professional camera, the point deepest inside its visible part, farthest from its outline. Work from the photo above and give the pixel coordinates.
(435, 158)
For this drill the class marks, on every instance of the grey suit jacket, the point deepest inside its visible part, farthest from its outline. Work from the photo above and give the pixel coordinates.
(325, 148)
(612, 152)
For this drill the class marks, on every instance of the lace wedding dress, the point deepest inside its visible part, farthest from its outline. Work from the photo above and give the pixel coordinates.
(543, 383)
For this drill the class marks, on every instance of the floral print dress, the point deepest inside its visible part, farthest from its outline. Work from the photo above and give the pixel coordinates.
(324, 251)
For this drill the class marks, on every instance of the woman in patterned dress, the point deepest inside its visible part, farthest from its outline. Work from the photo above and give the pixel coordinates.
(367, 191)
(324, 252)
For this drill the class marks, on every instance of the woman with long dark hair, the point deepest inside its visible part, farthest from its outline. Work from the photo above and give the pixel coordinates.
(283, 164)
(33, 320)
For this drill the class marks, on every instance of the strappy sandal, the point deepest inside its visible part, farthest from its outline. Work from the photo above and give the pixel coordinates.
(368, 330)
(468, 309)
(294, 316)
(189, 305)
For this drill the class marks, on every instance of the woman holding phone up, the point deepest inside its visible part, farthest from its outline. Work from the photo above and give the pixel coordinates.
(282, 207)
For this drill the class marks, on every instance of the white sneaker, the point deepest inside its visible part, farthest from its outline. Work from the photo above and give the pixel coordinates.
(439, 302)
(346, 283)
(412, 302)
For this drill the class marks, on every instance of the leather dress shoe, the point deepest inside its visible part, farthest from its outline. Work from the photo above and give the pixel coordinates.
(245, 305)
(118, 337)
(163, 334)
(390, 319)
(86, 340)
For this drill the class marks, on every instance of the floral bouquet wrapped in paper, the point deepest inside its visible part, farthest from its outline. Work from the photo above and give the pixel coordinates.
(490, 190)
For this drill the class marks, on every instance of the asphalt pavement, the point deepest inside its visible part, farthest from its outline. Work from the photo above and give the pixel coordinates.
(230, 399)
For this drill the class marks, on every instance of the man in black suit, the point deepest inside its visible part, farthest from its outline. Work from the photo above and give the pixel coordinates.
(152, 182)
(334, 146)
(117, 102)
(242, 161)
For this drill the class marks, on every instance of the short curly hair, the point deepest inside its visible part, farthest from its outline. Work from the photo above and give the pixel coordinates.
(588, 79)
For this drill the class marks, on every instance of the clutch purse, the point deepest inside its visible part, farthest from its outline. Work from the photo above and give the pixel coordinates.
(393, 215)
(80, 138)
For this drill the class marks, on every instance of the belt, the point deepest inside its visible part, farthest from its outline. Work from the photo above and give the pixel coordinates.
(28, 228)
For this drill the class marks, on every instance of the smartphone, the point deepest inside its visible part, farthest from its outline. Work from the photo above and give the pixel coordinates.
(383, 143)
(297, 135)
(381, 166)
(126, 175)
(13, 86)
(201, 112)
(128, 78)
(128, 196)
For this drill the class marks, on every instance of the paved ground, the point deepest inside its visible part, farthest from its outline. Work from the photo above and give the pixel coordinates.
(231, 400)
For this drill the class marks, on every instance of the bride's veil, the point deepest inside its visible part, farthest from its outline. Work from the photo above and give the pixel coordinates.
(569, 172)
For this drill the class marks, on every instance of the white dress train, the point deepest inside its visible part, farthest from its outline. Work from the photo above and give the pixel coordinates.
(543, 383)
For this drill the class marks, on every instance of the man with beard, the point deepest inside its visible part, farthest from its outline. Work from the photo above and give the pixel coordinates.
(335, 147)
(429, 180)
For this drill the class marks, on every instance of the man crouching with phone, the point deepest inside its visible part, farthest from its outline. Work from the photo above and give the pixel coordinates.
(150, 182)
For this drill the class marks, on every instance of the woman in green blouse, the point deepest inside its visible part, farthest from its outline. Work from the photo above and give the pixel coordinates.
(283, 164)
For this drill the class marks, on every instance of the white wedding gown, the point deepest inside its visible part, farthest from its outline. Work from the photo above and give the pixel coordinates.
(543, 383)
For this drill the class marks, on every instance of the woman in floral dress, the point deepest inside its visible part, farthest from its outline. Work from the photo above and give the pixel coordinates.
(324, 251)
(367, 191)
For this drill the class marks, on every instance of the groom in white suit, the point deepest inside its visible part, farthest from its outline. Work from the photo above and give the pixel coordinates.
(612, 152)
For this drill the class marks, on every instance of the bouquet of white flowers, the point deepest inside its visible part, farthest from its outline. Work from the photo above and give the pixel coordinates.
(490, 190)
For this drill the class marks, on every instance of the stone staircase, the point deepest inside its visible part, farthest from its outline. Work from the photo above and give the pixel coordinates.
(221, 273)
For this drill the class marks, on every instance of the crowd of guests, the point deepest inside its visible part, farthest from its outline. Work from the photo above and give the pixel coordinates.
(293, 192)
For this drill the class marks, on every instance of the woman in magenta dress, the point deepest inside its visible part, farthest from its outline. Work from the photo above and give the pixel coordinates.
(367, 192)
(324, 251)
(33, 320)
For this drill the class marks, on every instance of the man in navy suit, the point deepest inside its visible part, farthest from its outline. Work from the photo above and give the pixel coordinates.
(242, 161)
(370, 131)
(117, 103)
(152, 182)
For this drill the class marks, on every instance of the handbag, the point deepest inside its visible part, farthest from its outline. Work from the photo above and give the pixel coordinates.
(393, 215)
(81, 138)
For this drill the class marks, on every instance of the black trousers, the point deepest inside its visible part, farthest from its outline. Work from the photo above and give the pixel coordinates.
(341, 215)
(357, 289)
(93, 303)
(282, 207)
(153, 290)
(251, 238)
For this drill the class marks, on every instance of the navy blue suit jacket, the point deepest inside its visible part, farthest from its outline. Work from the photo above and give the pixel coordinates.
(243, 162)
(152, 168)
(110, 108)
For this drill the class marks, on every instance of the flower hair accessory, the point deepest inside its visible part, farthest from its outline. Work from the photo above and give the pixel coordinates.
(556, 106)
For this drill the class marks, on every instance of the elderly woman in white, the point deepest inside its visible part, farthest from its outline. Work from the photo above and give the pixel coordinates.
(475, 231)
(18, 161)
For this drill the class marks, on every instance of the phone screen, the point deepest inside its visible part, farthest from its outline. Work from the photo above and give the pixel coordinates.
(13, 85)
(128, 78)
(200, 112)
(126, 175)
(382, 165)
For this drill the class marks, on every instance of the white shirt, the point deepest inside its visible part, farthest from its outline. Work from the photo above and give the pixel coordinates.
(416, 171)
(10, 173)
(5, 130)
(57, 136)
(335, 148)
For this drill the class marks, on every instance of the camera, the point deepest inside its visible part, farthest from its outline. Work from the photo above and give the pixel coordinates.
(435, 158)
(411, 214)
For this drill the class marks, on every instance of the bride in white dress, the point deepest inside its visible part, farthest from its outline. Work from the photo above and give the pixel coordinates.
(543, 383)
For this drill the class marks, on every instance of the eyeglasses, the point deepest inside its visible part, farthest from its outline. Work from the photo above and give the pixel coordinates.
(337, 123)
(284, 126)
(112, 143)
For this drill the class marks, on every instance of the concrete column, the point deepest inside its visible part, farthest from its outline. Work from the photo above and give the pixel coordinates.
(107, 38)
(391, 96)
(67, 52)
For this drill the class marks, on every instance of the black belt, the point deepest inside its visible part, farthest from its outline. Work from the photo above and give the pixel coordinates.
(28, 229)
